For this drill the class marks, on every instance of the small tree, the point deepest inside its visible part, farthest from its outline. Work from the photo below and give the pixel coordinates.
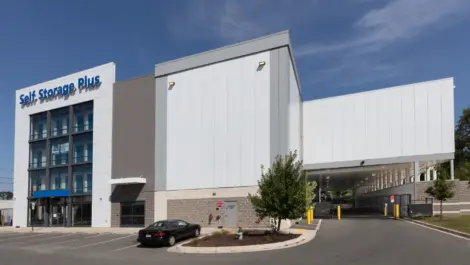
(310, 192)
(281, 192)
(441, 189)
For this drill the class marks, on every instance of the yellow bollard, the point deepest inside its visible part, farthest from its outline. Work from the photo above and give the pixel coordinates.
(308, 216)
(385, 210)
(311, 215)
(339, 212)
(397, 211)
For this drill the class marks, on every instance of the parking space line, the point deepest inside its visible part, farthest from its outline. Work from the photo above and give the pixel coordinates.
(95, 235)
(47, 238)
(102, 242)
(70, 240)
(135, 245)
(21, 237)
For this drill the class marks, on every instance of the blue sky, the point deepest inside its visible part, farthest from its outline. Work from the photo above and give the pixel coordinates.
(341, 46)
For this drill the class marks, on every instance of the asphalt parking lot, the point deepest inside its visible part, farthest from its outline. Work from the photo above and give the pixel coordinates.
(355, 241)
(77, 244)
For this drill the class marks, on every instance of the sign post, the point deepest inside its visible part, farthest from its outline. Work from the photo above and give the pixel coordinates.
(33, 206)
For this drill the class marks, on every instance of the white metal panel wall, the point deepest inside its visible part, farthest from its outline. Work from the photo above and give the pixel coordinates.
(294, 113)
(415, 119)
(218, 124)
(102, 139)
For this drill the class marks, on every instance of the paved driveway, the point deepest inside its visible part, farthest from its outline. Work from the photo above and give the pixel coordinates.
(350, 241)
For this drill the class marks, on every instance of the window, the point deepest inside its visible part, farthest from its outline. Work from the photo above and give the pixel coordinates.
(37, 155)
(59, 152)
(38, 126)
(60, 122)
(82, 179)
(37, 180)
(160, 224)
(83, 148)
(59, 179)
(83, 117)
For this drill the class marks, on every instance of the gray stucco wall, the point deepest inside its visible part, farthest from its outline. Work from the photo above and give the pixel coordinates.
(279, 101)
(197, 211)
(160, 98)
(133, 144)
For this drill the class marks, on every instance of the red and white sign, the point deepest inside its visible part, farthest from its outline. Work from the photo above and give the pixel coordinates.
(392, 198)
(219, 204)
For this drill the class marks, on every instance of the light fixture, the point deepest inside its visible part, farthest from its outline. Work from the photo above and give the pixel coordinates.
(171, 83)
(262, 63)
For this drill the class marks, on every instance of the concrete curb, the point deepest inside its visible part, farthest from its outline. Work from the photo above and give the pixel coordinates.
(306, 236)
(444, 229)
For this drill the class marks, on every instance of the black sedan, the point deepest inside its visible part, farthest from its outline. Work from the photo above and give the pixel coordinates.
(167, 232)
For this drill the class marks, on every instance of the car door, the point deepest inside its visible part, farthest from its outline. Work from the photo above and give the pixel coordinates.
(183, 228)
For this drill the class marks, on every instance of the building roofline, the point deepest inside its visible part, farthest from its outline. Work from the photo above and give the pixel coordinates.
(382, 89)
(241, 49)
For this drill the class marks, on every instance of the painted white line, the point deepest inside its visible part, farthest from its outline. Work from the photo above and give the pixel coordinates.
(135, 245)
(318, 225)
(95, 236)
(42, 239)
(21, 237)
(444, 232)
(102, 242)
(71, 240)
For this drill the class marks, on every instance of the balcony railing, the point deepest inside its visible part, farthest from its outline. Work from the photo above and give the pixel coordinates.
(83, 159)
(38, 136)
(38, 164)
(55, 132)
(62, 159)
(86, 189)
(83, 128)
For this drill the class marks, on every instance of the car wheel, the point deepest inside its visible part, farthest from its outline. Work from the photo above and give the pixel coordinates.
(197, 232)
(171, 241)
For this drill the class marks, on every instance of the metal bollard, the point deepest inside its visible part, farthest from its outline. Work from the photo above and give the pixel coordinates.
(339, 212)
(397, 211)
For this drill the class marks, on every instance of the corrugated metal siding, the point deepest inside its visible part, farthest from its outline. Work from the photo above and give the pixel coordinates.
(218, 124)
(415, 119)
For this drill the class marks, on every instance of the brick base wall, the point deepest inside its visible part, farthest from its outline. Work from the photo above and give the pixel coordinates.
(131, 193)
(459, 204)
(198, 211)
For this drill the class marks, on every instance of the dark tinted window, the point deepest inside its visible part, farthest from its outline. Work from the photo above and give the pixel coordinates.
(160, 224)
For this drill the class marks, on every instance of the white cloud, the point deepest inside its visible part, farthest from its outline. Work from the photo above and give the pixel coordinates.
(397, 20)
(231, 20)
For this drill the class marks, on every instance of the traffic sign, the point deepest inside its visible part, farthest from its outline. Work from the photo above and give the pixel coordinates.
(392, 198)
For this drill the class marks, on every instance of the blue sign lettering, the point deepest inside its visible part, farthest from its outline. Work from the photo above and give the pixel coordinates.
(64, 90)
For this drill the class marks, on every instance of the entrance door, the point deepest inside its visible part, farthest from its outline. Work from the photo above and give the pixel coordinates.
(133, 214)
(230, 214)
(57, 211)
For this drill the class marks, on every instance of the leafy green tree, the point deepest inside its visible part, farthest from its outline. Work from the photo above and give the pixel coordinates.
(310, 192)
(462, 147)
(462, 139)
(442, 189)
(281, 192)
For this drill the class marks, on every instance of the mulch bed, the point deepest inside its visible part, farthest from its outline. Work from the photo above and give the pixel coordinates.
(228, 240)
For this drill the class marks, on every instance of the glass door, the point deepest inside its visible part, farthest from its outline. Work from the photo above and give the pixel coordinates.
(36, 215)
(133, 214)
(58, 212)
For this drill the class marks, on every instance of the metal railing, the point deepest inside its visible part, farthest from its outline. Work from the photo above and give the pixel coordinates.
(38, 164)
(82, 159)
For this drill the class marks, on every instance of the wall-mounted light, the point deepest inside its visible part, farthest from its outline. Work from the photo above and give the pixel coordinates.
(262, 63)
(171, 83)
